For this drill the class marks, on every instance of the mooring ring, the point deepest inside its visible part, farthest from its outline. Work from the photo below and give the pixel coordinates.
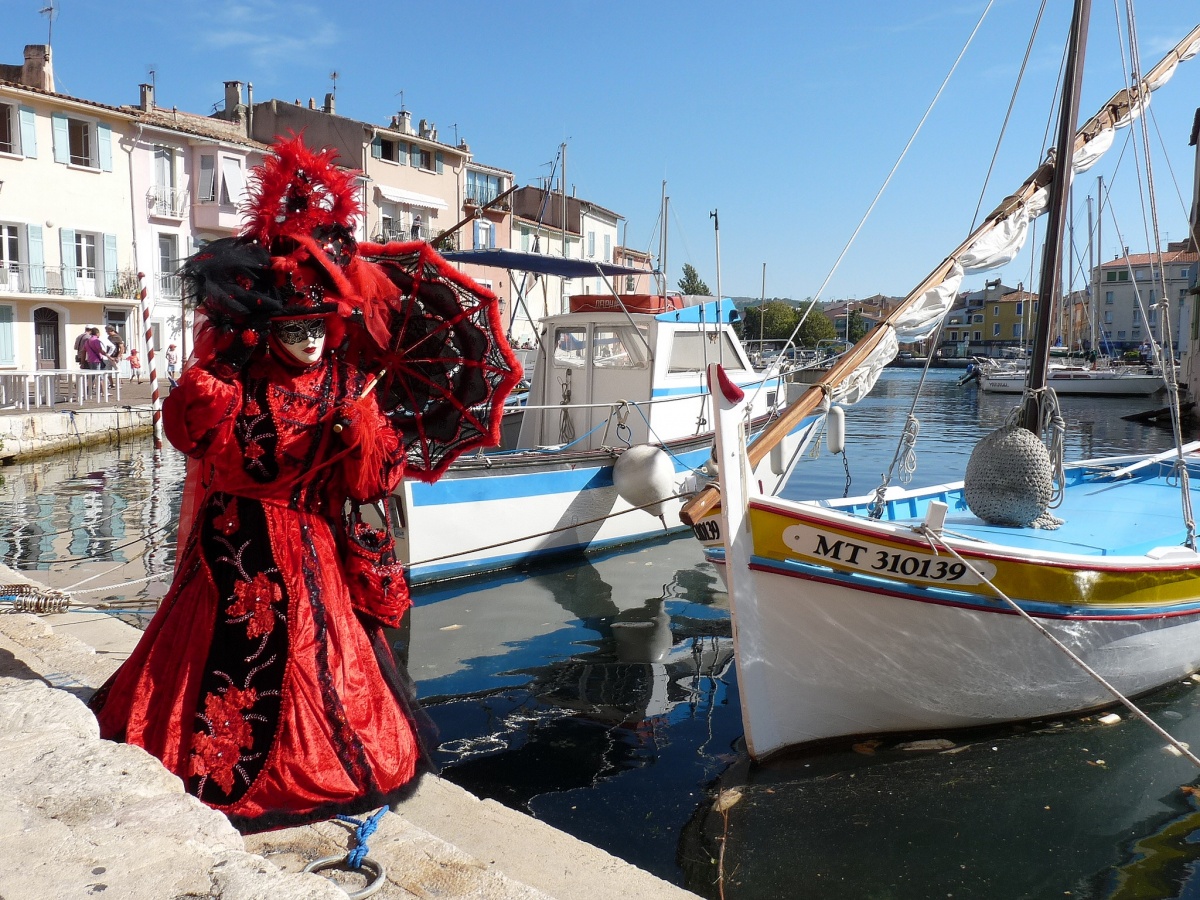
(370, 866)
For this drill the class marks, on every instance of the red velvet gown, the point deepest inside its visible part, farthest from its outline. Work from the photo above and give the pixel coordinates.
(256, 682)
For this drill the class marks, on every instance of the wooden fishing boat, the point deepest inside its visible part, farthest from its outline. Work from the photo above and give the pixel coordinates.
(950, 607)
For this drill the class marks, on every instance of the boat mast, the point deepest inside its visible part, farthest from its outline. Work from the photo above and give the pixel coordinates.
(1097, 331)
(1050, 286)
(662, 240)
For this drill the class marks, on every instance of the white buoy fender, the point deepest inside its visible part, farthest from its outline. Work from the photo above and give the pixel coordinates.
(644, 476)
(835, 429)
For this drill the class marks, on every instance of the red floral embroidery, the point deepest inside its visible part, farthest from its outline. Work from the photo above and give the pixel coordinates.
(253, 450)
(251, 408)
(253, 599)
(216, 753)
(227, 522)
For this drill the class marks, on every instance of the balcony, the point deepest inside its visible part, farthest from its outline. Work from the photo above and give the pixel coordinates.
(167, 202)
(169, 286)
(477, 196)
(60, 281)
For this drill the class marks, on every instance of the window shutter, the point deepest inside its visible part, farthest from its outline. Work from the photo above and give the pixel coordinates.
(104, 144)
(377, 147)
(478, 237)
(208, 178)
(402, 153)
(8, 355)
(62, 142)
(28, 131)
(37, 260)
(67, 243)
(438, 162)
(492, 237)
(110, 264)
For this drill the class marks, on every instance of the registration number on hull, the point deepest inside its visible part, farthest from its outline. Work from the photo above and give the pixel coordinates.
(840, 551)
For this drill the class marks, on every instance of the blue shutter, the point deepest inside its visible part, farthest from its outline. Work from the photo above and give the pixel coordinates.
(477, 238)
(492, 237)
(67, 243)
(402, 153)
(104, 144)
(8, 346)
(37, 260)
(62, 141)
(437, 162)
(28, 131)
(377, 147)
(110, 265)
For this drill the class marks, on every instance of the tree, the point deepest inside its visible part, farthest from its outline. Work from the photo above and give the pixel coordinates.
(816, 327)
(777, 319)
(858, 326)
(692, 283)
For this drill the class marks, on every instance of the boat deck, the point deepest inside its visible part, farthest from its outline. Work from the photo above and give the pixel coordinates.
(1101, 516)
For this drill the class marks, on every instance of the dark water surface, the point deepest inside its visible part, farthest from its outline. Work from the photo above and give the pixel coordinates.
(600, 696)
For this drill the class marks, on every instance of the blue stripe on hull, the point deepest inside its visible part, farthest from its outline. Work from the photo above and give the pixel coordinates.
(484, 485)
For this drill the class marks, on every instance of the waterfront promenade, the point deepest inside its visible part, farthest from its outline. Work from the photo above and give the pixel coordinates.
(80, 815)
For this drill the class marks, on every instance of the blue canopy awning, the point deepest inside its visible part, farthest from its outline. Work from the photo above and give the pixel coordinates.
(540, 264)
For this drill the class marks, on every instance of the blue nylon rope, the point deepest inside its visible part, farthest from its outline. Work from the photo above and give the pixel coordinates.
(363, 830)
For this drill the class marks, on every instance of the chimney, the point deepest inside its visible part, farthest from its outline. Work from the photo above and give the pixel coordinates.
(38, 72)
(312, 103)
(329, 103)
(147, 104)
(405, 121)
(233, 98)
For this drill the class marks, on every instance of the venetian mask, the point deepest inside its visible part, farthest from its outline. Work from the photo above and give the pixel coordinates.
(304, 339)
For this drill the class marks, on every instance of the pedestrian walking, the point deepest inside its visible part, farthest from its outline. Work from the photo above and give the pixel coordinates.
(172, 364)
(135, 366)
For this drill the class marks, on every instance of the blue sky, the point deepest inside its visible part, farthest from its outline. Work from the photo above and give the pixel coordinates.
(786, 117)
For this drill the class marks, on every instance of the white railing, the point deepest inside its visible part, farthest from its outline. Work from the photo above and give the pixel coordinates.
(169, 285)
(70, 281)
(167, 201)
(46, 387)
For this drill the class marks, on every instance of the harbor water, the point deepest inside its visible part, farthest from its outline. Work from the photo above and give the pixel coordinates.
(600, 695)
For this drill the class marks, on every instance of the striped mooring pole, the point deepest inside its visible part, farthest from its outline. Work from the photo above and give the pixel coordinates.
(151, 366)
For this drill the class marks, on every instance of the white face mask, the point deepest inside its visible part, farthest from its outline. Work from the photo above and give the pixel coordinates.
(304, 339)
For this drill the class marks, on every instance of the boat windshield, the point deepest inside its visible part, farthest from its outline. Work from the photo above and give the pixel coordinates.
(691, 351)
(619, 347)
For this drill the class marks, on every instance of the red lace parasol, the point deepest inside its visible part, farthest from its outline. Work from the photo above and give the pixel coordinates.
(448, 367)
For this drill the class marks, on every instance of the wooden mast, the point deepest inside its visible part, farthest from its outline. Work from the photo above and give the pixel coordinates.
(1050, 286)
(1117, 108)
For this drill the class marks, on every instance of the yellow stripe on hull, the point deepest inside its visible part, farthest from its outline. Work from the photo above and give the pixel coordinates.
(866, 548)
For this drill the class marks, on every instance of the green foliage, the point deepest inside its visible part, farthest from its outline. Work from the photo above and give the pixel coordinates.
(692, 283)
(858, 326)
(776, 320)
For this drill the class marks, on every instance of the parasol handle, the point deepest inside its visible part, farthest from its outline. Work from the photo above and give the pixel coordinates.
(370, 386)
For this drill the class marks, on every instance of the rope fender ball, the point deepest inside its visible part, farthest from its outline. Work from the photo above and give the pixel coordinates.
(1010, 480)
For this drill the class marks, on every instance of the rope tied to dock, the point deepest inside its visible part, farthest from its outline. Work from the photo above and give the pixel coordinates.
(357, 859)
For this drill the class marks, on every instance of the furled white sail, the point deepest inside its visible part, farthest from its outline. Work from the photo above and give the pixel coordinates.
(1089, 154)
(1000, 244)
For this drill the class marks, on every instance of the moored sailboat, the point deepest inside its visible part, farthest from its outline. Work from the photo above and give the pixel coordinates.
(963, 604)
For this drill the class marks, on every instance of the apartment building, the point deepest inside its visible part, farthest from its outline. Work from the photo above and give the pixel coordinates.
(66, 229)
(1128, 290)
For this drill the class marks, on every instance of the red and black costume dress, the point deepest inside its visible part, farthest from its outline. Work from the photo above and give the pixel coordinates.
(256, 681)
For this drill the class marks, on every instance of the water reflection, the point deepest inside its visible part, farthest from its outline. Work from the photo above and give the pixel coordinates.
(97, 516)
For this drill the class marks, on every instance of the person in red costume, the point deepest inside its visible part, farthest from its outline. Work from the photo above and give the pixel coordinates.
(264, 680)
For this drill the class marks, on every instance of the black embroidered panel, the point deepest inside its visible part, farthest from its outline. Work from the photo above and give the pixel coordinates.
(238, 707)
(256, 433)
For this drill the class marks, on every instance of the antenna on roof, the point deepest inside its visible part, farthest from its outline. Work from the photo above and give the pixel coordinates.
(152, 71)
(400, 94)
(51, 13)
(333, 77)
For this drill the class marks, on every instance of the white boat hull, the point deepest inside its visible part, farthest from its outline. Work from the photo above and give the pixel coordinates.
(824, 662)
(1100, 384)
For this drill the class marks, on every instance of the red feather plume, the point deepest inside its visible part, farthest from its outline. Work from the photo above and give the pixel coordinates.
(297, 190)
